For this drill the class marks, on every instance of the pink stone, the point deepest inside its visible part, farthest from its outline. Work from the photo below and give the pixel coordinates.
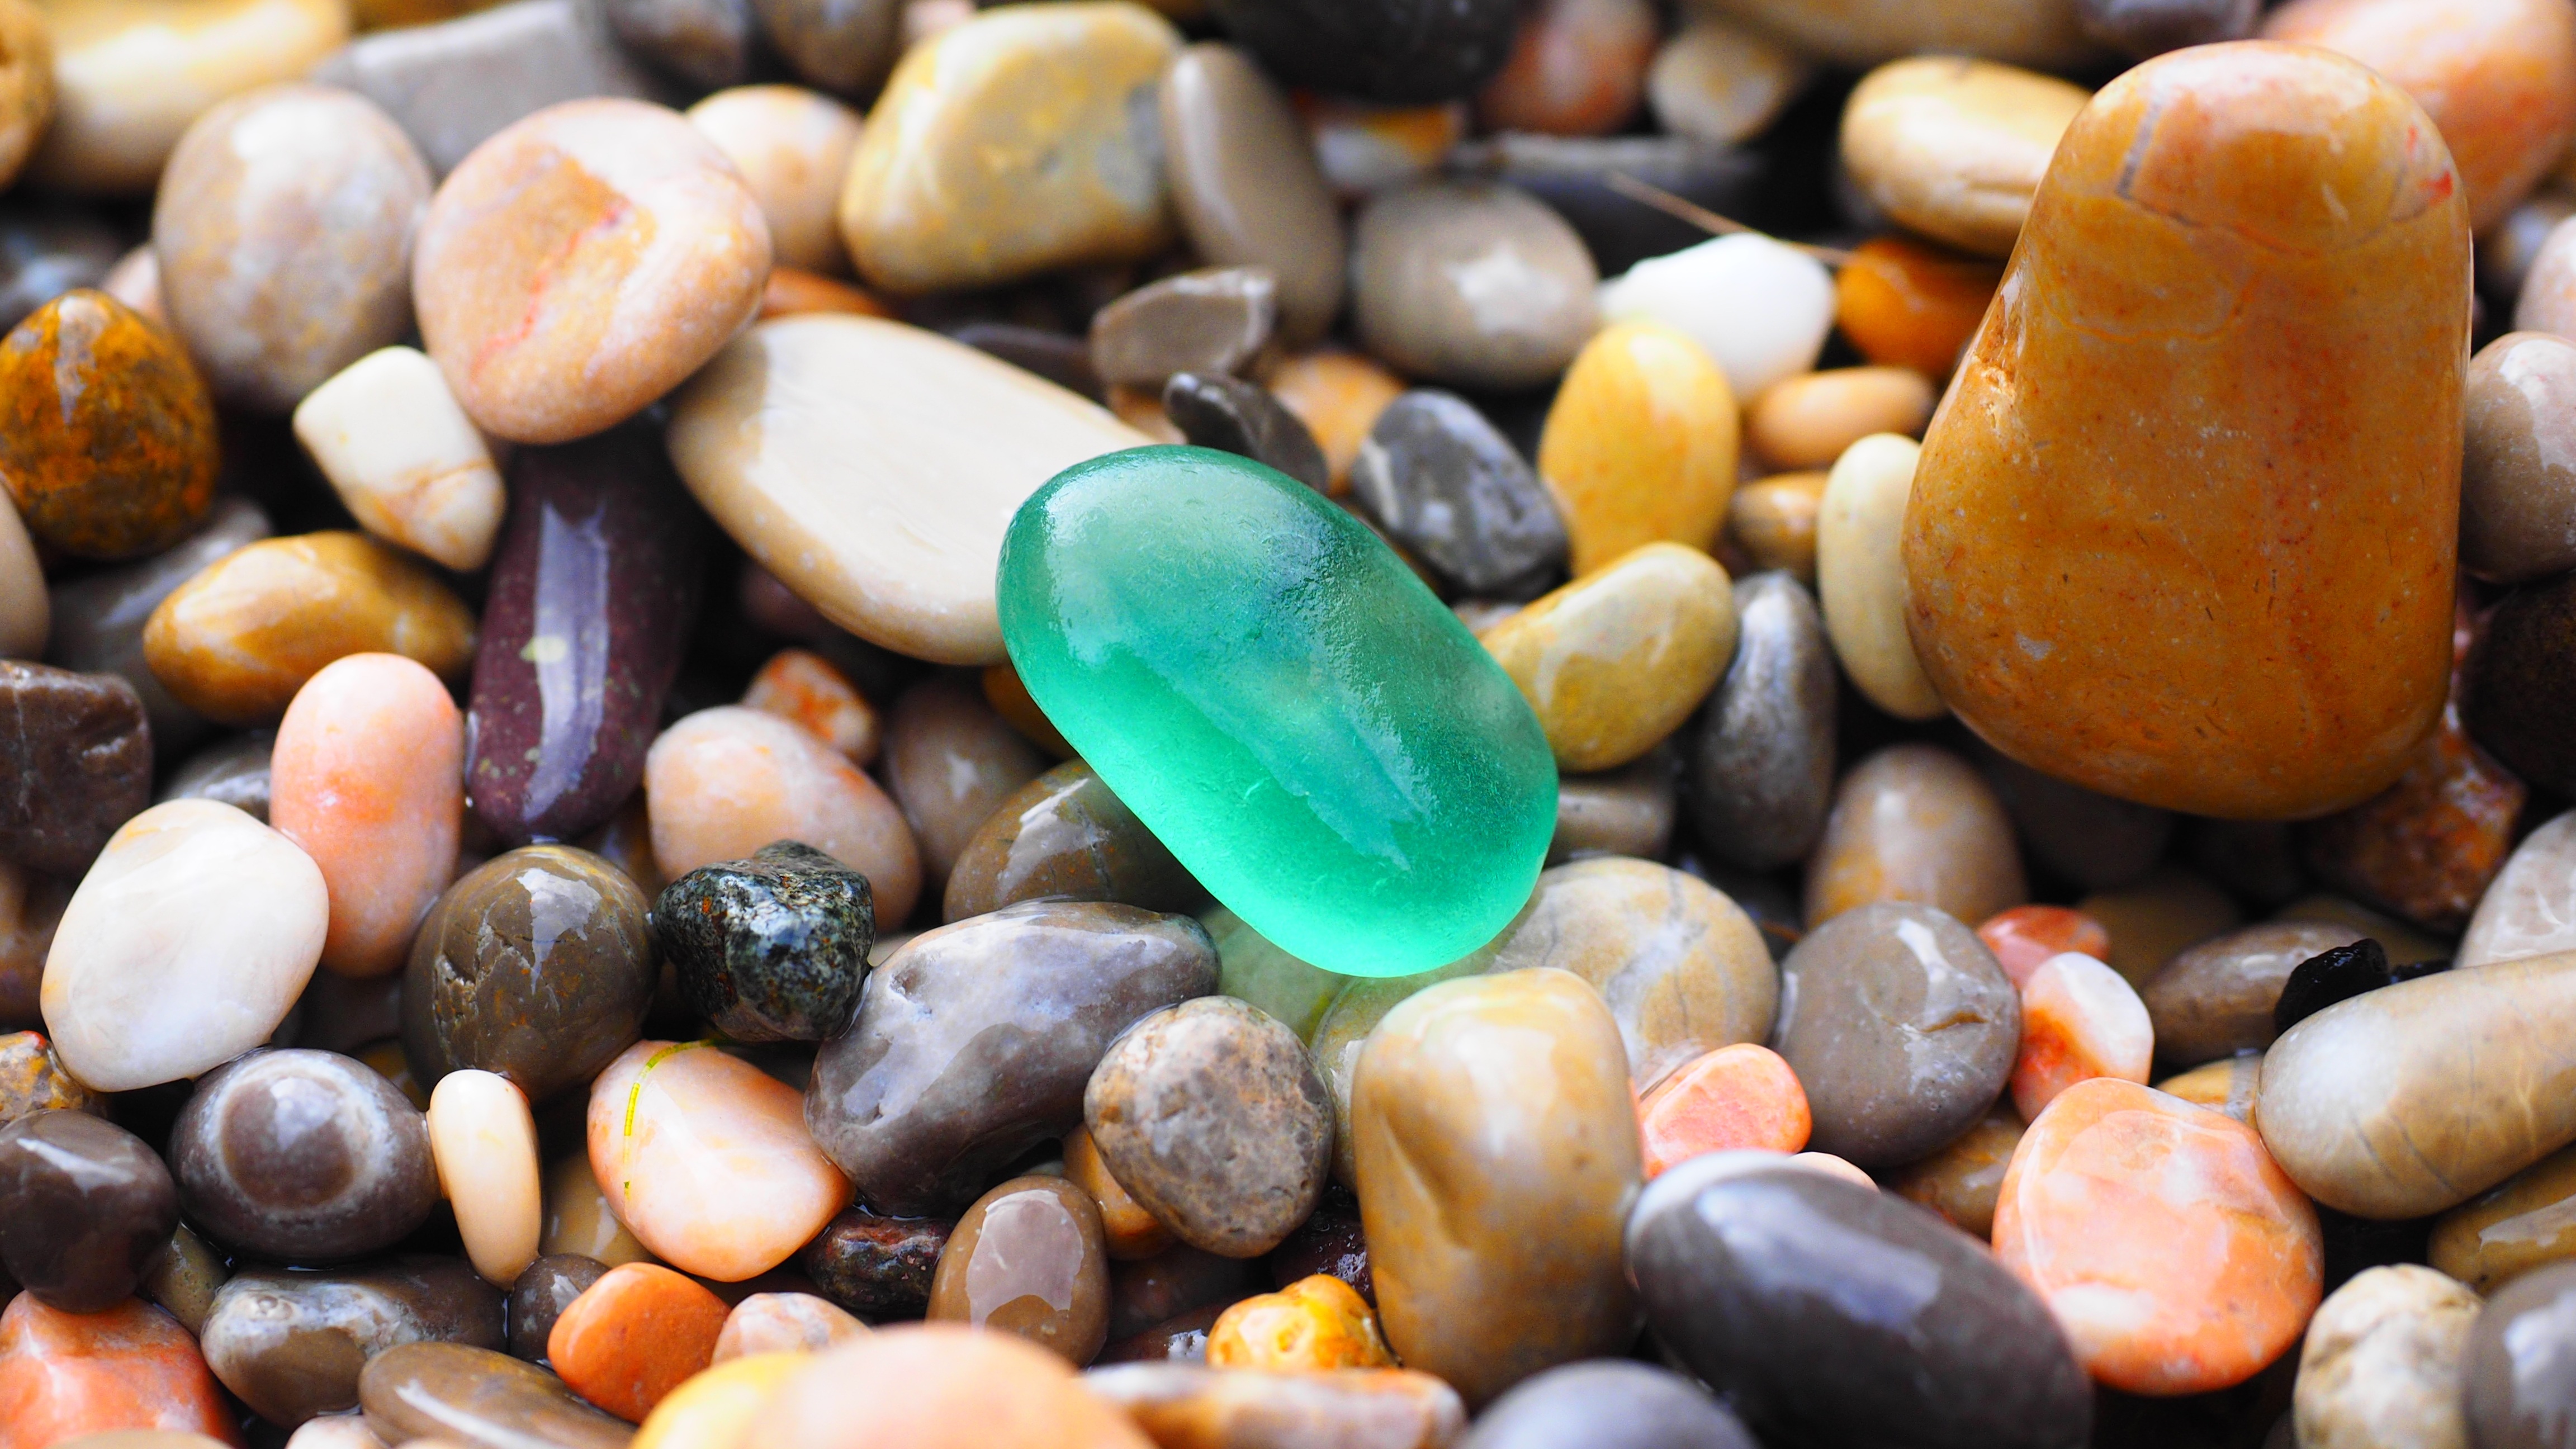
(368, 777)
(706, 1159)
(2079, 1020)
(726, 781)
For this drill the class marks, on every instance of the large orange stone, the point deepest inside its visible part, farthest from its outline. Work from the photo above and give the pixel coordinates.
(634, 1336)
(2176, 1254)
(63, 1375)
(2184, 530)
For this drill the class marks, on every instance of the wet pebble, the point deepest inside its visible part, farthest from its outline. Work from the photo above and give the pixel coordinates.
(1412, 252)
(1317, 1322)
(291, 1345)
(939, 1386)
(1953, 148)
(403, 457)
(771, 948)
(1234, 416)
(1245, 183)
(1762, 757)
(1860, 575)
(2518, 483)
(1027, 1259)
(1627, 811)
(1914, 822)
(1214, 320)
(2025, 936)
(577, 1217)
(63, 1375)
(1448, 487)
(2520, 1363)
(726, 782)
(483, 1143)
(843, 46)
(633, 1336)
(78, 764)
(1065, 836)
(802, 686)
(1807, 422)
(1740, 1096)
(1759, 309)
(874, 1265)
(1192, 1404)
(110, 450)
(1615, 661)
(1906, 303)
(949, 761)
(474, 1398)
(1962, 1181)
(2079, 1020)
(1639, 445)
(302, 1157)
(84, 1207)
(2217, 998)
(544, 1289)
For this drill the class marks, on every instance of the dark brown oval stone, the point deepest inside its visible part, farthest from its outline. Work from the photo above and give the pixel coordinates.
(1065, 836)
(84, 1207)
(545, 1288)
(877, 1267)
(75, 763)
(292, 1345)
(1029, 1258)
(478, 1399)
(303, 1157)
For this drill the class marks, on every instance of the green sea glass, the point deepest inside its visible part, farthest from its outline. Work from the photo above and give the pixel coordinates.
(1283, 703)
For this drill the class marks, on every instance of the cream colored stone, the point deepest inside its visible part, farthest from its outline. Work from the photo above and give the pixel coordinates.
(2530, 908)
(1860, 574)
(873, 467)
(185, 946)
(1953, 147)
(129, 75)
(26, 612)
(484, 1142)
(404, 457)
(792, 147)
(2381, 1365)
(1722, 82)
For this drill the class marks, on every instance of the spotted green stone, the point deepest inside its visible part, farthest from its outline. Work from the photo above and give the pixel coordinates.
(1282, 703)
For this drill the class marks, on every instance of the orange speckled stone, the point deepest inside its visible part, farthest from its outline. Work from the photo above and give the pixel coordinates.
(1317, 1322)
(2079, 1020)
(2498, 76)
(1338, 396)
(63, 1375)
(2176, 1254)
(633, 1336)
(1640, 444)
(801, 686)
(237, 641)
(583, 262)
(1736, 1096)
(2025, 936)
(2169, 539)
(107, 433)
(1905, 303)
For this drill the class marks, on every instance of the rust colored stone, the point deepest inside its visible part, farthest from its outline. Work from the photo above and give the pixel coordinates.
(107, 433)
(2168, 539)
(633, 1336)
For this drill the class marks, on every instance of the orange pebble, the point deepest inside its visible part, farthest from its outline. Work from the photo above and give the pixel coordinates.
(791, 291)
(2176, 1254)
(1736, 1096)
(1909, 304)
(1010, 699)
(63, 1375)
(1338, 396)
(1132, 1232)
(2025, 936)
(801, 685)
(1317, 1322)
(2079, 1020)
(633, 1336)
(1577, 68)
(368, 776)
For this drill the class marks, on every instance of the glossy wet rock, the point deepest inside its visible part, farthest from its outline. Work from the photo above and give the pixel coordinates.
(1453, 491)
(1915, 823)
(707, 1161)
(949, 761)
(2079, 1020)
(1680, 965)
(974, 1042)
(237, 641)
(1209, 1113)
(1245, 184)
(1460, 1169)
(1639, 445)
(303, 1157)
(726, 782)
(84, 1207)
(1831, 1312)
(403, 456)
(1953, 148)
(110, 448)
(2003, 485)
(1905, 303)
(877, 1266)
(2175, 1254)
(939, 1386)
(1961, 1181)
(2216, 999)
(771, 948)
(292, 1344)
(967, 179)
(2522, 1223)
(283, 228)
(2410, 1099)
(2513, 683)
(1234, 416)
(2517, 1369)
(2518, 480)
(1318, 1322)
(1412, 253)
(1740, 1096)
(618, 223)
(367, 777)
(1129, 1231)
(809, 436)
(186, 945)
(802, 686)
(477, 1399)
(535, 965)
(1065, 836)
(1192, 1404)
(2427, 847)
(593, 592)
(1762, 757)
(633, 1336)
(79, 764)
(1615, 661)
(1395, 800)
(483, 1143)
(98, 620)
(1902, 1028)
(63, 1375)
(2339, 975)
(184, 1279)
(1027, 1259)
(577, 1218)
(543, 1291)
(2381, 1362)
(772, 1323)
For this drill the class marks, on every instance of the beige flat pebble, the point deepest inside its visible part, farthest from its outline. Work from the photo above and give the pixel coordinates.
(404, 457)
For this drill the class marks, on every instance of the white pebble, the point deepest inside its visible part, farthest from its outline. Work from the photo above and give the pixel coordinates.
(391, 438)
(484, 1143)
(1761, 308)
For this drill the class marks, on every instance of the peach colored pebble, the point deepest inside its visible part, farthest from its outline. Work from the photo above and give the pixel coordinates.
(2079, 1020)
(2176, 1254)
(1317, 1322)
(368, 777)
(2025, 936)
(1338, 396)
(1807, 421)
(724, 782)
(1736, 1096)
(1827, 1163)
(484, 1143)
(802, 687)
(783, 1323)
(939, 1386)
(706, 1160)
(63, 1375)
(634, 1336)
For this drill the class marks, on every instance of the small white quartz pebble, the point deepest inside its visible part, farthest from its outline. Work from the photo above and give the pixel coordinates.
(484, 1141)
(1761, 308)
(391, 438)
